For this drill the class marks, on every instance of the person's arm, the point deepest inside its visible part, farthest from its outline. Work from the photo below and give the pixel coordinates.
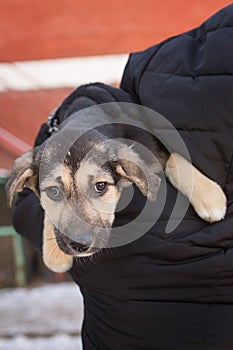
(28, 216)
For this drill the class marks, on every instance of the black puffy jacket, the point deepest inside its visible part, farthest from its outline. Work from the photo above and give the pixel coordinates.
(170, 291)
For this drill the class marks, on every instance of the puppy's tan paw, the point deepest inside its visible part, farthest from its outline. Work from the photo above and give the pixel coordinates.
(205, 195)
(59, 263)
(209, 201)
(54, 258)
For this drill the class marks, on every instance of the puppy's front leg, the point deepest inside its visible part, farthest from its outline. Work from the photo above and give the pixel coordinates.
(206, 196)
(54, 258)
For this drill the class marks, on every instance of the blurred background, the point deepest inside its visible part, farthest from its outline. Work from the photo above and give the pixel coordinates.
(48, 48)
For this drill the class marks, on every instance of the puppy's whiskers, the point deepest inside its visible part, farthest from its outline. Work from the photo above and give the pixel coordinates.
(55, 252)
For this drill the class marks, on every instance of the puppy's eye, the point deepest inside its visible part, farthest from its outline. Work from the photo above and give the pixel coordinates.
(53, 193)
(101, 187)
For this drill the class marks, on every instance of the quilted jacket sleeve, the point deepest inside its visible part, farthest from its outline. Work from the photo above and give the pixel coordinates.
(28, 215)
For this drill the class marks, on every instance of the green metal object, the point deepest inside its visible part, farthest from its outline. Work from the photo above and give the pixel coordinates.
(3, 180)
(6, 229)
(19, 256)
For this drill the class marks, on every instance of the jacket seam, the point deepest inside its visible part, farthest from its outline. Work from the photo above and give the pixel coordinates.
(206, 32)
(228, 172)
(194, 76)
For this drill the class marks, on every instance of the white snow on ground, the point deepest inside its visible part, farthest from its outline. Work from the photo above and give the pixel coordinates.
(58, 342)
(41, 318)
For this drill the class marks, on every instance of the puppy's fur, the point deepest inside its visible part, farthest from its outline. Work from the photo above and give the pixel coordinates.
(80, 195)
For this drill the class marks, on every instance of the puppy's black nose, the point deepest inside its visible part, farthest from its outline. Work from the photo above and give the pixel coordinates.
(78, 247)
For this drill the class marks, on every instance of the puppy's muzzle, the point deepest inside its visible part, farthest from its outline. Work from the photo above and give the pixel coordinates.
(82, 246)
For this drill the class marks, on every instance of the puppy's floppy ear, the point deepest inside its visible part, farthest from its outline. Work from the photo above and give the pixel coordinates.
(24, 174)
(131, 167)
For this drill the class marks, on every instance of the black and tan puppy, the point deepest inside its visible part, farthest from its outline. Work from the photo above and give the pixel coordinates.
(80, 188)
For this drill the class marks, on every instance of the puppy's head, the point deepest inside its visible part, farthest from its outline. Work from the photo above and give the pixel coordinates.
(80, 194)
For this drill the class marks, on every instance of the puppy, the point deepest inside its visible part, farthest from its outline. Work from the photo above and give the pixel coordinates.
(79, 184)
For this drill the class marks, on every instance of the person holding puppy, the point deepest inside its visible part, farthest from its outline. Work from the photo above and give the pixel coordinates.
(163, 291)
